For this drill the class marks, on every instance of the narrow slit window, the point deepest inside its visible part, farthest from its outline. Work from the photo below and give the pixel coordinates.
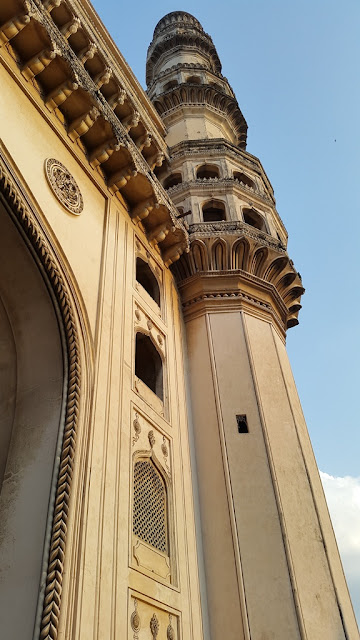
(242, 425)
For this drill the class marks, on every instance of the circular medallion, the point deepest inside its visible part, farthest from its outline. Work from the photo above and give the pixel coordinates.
(64, 186)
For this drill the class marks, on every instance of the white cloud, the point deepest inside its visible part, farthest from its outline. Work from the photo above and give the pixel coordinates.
(343, 497)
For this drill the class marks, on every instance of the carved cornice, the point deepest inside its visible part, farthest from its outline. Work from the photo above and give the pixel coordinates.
(193, 94)
(233, 248)
(218, 147)
(232, 293)
(231, 228)
(84, 89)
(222, 185)
(183, 65)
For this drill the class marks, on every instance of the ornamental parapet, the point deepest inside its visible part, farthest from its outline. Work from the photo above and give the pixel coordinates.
(215, 148)
(80, 81)
(231, 263)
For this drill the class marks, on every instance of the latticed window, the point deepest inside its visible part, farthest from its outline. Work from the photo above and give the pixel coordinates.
(150, 518)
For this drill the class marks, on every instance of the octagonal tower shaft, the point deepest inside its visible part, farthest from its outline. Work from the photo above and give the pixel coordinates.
(271, 564)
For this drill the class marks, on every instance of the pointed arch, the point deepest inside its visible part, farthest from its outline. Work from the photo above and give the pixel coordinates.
(240, 254)
(285, 282)
(275, 268)
(199, 255)
(259, 261)
(19, 207)
(219, 255)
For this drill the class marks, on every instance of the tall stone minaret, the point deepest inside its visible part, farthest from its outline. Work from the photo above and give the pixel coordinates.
(271, 564)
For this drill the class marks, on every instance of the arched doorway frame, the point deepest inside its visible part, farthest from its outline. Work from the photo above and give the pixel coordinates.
(19, 206)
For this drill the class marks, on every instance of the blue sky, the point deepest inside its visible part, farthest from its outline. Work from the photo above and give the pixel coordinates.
(294, 67)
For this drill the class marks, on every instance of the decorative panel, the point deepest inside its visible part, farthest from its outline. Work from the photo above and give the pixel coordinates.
(148, 621)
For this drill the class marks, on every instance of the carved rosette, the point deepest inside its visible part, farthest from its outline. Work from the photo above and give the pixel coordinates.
(64, 186)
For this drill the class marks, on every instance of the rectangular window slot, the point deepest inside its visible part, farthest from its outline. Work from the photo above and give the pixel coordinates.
(242, 424)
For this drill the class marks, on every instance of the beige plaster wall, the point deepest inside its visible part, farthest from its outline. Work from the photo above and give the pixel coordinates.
(309, 564)
(112, 556)
(260, 491)
(97, 252)
(199, 125)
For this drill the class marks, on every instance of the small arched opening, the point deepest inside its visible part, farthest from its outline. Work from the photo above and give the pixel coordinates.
(254, 219)
(170, 85)
(148, 281)
(172, 180)
(148, 364)
(193, 80)
(207, 171)
(214, 211)
(242, 177)
(216, 86)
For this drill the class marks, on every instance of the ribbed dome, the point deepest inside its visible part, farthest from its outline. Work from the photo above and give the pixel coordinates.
(175, 18)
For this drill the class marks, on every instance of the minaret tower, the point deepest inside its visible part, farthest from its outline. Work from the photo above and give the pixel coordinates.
(271, 567)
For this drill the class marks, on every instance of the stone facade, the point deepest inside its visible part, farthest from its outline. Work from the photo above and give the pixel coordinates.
(157, 478)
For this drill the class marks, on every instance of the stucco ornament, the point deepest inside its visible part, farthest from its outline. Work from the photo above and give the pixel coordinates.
(170, 633)
(135, 621)
(64, 186)
(154, 626)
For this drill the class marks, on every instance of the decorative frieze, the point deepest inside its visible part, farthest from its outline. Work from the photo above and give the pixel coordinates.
(128, 159)
(229, 249)
(150, 621)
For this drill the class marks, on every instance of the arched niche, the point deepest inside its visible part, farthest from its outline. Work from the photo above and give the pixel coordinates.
(193, 80)
(213, 211)
(147, 279)
(254, 219)
(32, 383)
(242, 177)
(148, 364)
(206, 171)
(170, 85)
(172, 180)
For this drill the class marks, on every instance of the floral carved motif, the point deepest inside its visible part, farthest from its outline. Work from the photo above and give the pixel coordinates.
(64, 186)
(170, 633)
(154, 626)
(137, 429)
(135, 621)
